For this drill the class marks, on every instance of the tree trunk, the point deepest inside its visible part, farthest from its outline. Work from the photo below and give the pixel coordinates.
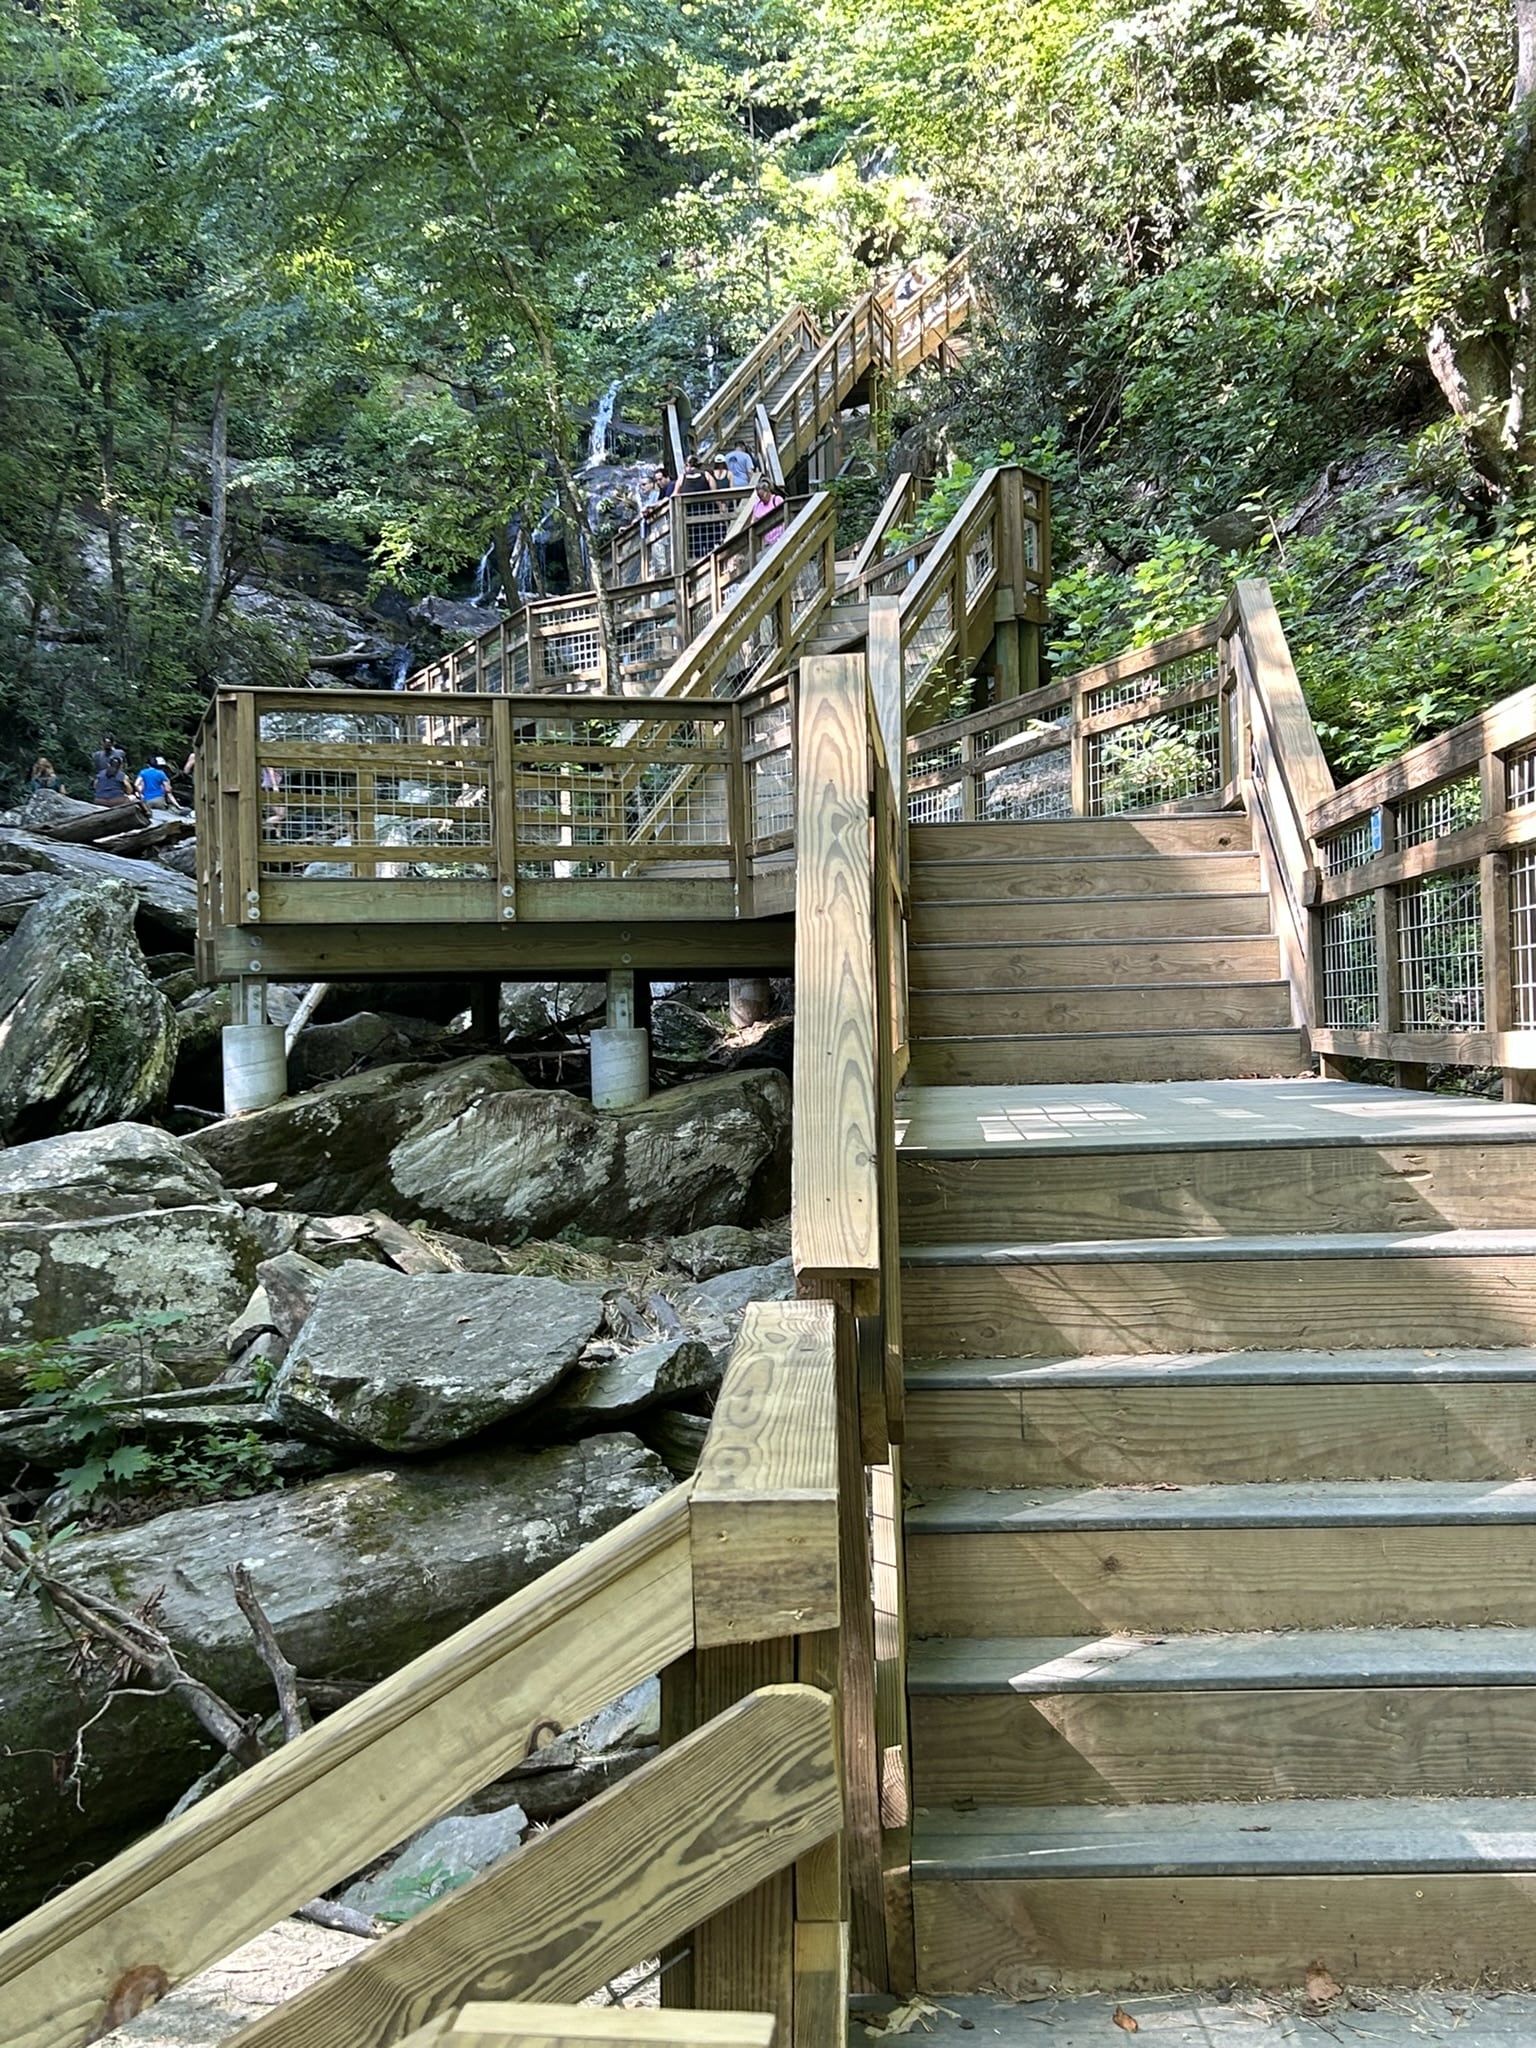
(110, 504)
(1483, 354)
(218, 515)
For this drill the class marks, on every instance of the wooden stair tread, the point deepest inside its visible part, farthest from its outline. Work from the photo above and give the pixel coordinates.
(1078, 857)
(1276, 1838)
(1222, 1369)
(975, 1120)
(1273, 1504)
(1261, 1661)
(1403, 1244)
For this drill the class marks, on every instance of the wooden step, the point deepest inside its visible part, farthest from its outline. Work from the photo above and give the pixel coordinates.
(1312, 1714)
(1209, 1294)
(1079, 963)
(1108, 1056)
(1212, 1006)
(1072, 1897)
(1179, 1193)
(1232, 1416)
(1166, 1559)
(1156, 874)
(1221, 832)
(1023, 921)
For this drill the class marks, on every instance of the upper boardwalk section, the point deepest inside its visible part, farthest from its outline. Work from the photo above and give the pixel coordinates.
(381, 833)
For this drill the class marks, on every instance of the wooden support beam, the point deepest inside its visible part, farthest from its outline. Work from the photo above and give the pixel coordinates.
(728, 1807)
(367, 1777)
(764, 1506)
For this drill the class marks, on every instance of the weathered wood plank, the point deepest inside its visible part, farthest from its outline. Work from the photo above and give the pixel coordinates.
(1241, 1192)
(821, 1984)
(1105, 918)
(1098, 963)
(577, 2026)
(1305, 1303)
(1169, 1933)
(603, 1889)
(411, 1747)
(1174, 1435)
(1093, 1582)
(1069, 1012)
(1223, 874)
(836, 1213)
(743, 1954)
(1136, 1056)
(1227, 832)
(764, 1504)
(1131, 1748)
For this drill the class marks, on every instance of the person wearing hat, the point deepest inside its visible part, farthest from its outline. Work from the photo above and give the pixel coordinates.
(153, 784)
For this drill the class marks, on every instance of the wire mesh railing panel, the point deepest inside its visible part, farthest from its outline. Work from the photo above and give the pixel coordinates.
(1522, 937)
(1351, 967)
(1436, 812)
(929, 642)
(1440, 952)
(1160, 760)
(1520, 778)
(1351, 848)
(980, 560)
(1189, 672)
(1038, 787)
(808, 588)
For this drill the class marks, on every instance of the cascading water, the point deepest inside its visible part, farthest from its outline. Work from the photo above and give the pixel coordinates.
(602, 426)
(483, 572)
(401, 669)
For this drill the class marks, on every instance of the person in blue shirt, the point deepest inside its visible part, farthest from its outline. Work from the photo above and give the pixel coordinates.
(154, 784)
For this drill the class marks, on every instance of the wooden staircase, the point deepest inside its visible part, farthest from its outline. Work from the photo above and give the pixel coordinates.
(1220, 1533)
(1093, 950)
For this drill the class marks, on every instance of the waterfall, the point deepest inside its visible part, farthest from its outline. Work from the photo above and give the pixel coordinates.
(484, 572)
(402, 667)
(602, 423)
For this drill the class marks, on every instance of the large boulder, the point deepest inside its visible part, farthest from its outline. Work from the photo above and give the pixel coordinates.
(115, 1170)
(408, 1363)
(369, 1038)
(102, 1226)
(85, 1036)
(165, 898)
(329, 1151)
(713, 1151)
(469, 1147)
(531, 1009)
(358, 1573)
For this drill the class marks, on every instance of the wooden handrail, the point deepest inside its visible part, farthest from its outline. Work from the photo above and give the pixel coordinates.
(713, 1816)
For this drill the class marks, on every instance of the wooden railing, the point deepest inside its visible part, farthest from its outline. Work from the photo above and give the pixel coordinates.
(769, 1837)
(1423, 904)
(727, 412)
(383, 808)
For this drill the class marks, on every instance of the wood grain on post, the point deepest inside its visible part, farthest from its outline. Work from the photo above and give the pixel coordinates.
(836, 1220)
(764, 1504)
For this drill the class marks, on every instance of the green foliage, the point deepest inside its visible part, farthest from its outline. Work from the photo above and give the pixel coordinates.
(90, 1390)
(1155, 762)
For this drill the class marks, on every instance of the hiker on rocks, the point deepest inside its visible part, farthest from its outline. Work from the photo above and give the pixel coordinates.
(45, 776)
(153, 784)
(109, 766)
